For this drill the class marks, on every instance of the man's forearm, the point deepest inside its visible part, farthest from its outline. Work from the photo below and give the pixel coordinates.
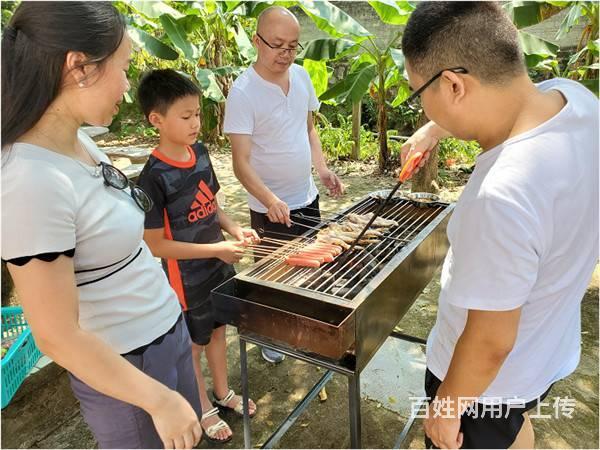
(434, 130)
(474, 365)
(316, 151)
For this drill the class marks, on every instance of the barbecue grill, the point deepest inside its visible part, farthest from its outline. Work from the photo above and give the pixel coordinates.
(338, 315)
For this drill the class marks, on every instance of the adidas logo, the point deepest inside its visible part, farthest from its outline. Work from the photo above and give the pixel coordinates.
(204, 204)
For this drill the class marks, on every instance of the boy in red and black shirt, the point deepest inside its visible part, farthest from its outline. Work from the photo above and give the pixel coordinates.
(184, 228)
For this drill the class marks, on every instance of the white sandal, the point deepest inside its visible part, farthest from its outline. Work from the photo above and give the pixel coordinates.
(238, 408)
(212, 431)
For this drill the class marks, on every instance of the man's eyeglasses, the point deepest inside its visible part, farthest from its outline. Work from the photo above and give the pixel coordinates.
(414, 101)
(115, 178)
(279, 49)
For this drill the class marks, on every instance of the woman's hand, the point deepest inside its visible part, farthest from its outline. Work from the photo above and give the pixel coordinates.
(176, 421)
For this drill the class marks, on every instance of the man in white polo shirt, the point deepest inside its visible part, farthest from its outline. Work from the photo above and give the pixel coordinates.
(523, 235)
(268, 118)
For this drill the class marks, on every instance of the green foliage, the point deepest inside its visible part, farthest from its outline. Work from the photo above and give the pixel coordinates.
(337, 140)
(542, 56)
(458, 152)
(392, 12)
(7, 8)
(332, 20)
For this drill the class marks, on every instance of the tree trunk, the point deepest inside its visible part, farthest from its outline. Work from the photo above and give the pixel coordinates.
(356, 111)
(384, 155)
(426, 179)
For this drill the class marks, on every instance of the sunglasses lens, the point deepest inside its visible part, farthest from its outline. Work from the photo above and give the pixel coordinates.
(142, 199)
(114, 177)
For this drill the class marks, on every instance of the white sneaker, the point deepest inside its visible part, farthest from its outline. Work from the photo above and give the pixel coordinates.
(272, 356)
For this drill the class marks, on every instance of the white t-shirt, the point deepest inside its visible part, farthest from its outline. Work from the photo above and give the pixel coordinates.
(53, 203)
(524, 233)
(280, 152)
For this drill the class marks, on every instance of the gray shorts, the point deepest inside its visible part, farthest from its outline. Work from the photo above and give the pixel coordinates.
(116, 424)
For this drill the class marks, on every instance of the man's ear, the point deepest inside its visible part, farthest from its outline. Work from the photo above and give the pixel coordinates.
(155, 119)
(454, 85)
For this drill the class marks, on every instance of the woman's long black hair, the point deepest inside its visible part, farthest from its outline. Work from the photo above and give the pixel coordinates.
(34, 46)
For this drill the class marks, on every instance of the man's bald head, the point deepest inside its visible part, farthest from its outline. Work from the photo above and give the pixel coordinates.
(275, 15)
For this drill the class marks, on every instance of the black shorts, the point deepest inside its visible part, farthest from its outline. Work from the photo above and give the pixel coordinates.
(489, 431)
(201, 322)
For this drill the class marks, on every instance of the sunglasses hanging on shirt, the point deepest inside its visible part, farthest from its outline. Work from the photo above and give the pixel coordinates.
(113, 177)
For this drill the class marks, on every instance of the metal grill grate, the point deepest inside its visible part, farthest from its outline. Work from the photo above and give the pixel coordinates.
(346, 276)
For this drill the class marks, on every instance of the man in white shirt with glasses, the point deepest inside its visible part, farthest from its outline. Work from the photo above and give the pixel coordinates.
(269, 121)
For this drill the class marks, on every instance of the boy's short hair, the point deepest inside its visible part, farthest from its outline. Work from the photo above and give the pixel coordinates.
(478, 36)
(159, 89)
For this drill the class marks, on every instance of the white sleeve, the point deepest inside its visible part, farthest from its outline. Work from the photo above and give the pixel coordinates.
(313, 101)
(239, 115)
(495, 256)
(38, 212)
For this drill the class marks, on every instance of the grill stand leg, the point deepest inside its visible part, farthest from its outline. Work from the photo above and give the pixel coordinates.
(353, 394)
(411, 420)
(245, 396)
(298, 410)
(354, 409)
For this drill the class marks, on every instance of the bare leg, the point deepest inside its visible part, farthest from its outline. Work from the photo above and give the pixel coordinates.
(197, 351)
(216, 354)
(526, 437)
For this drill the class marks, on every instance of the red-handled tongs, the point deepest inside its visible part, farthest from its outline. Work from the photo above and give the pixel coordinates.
(407, 171)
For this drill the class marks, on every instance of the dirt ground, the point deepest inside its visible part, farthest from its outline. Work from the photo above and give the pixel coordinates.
(44, 413)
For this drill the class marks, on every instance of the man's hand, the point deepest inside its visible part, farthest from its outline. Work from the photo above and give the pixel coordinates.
(279, 212)
(443, 428)
(331, 181)
(423, 140)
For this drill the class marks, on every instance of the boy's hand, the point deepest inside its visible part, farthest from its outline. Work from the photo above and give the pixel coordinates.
(247, 235)
(229, 251)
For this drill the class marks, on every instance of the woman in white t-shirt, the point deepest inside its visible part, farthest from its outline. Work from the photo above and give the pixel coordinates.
(72, 225)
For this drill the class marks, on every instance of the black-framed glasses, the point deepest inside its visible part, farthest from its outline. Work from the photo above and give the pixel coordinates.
(291, 50)
(414, 101)
(113, 177)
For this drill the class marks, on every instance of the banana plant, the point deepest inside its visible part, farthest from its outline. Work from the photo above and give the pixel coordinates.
(375, 69)
(542, 55)
(208, 40)
(583, 65)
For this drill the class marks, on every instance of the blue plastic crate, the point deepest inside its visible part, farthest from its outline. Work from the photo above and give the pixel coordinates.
(22, 355)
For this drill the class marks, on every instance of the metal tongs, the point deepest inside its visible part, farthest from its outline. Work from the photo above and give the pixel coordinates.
(406, 172)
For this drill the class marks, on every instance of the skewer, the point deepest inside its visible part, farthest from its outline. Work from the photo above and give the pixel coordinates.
(263, 231)
(316, 219)
(301, 246)
(306, 226)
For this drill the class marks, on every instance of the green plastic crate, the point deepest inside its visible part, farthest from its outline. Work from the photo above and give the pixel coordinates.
(22, 355)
